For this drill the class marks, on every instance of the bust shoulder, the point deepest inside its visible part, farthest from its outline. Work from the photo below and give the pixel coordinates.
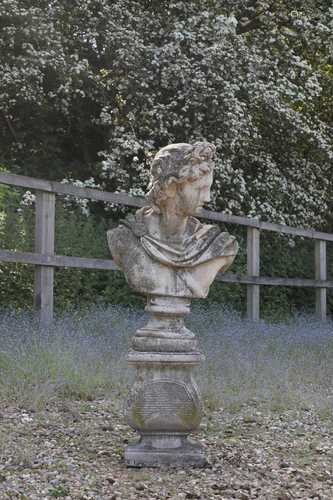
(119, 239)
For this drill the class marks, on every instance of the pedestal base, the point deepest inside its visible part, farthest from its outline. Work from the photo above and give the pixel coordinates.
(164, 404)
(146, 454)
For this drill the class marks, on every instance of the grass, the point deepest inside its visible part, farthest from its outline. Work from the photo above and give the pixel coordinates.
(82, 356)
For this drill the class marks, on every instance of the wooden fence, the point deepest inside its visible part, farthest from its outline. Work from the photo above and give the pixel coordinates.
(45, 260)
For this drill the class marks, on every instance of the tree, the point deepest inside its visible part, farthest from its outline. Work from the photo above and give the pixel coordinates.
(95, 90)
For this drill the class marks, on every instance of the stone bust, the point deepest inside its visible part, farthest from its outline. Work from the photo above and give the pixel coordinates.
(163, 249)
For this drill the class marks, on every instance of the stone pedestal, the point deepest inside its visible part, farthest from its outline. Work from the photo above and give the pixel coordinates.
(168, 255)
(164, 404)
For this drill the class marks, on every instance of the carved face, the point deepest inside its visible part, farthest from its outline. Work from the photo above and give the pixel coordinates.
(191, 196)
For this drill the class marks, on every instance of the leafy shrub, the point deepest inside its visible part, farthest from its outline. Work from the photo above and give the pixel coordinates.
(85, 236)
(95, 90)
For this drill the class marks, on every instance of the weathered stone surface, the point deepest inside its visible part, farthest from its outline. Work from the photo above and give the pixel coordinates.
(172, 450)
(163, 249)
(171, 257)
(164, 405)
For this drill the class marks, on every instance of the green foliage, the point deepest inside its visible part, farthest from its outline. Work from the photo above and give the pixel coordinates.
(76, 234)
(93, 91)
(58, 491)
(16, 233)
(82, 236)
(85, 236)
(286, 257)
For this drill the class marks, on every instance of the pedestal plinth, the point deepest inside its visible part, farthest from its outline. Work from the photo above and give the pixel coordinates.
(164, 404)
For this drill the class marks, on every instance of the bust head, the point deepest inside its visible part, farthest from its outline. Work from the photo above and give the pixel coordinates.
(181, 170)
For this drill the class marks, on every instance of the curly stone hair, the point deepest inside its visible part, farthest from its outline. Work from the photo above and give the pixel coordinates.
(178, 163)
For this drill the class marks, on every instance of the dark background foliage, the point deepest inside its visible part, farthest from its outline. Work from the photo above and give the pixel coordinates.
(85, 236)
(89, 93)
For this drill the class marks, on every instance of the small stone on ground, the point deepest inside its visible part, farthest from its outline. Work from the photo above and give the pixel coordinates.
(75, 450)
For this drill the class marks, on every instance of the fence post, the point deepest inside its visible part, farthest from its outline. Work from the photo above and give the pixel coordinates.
(321, 274)
(44, 243)
(253, 269)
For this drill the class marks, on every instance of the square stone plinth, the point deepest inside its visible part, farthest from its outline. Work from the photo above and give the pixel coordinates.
(144, 454)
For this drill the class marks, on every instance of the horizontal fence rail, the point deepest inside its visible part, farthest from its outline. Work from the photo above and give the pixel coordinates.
(131, 201)
(45, 259)
(109, 265)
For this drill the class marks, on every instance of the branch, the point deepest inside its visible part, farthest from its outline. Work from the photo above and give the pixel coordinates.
(245, 24)
(10, 126)
(248, 25)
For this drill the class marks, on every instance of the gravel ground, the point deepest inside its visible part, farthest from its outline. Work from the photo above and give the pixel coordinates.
(74, 450)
